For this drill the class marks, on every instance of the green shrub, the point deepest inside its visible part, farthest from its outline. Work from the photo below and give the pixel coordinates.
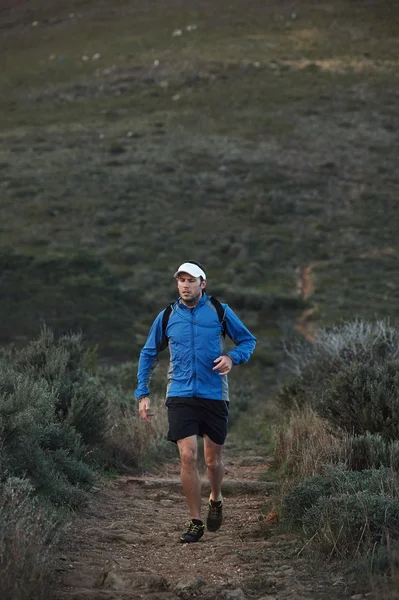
(338, 482)
(27, 533)
(123, 375)
(381, 559)
(314, 365)
(364, 398)
(51, 414)
(346, 524)
(302, 497)
(81, 400)
(28, 429)
(304, 390)
(371, 451)
(88, 410)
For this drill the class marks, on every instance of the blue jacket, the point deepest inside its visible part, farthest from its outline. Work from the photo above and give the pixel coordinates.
(195, 339)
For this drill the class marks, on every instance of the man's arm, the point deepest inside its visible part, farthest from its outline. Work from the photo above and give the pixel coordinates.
(149, 358)
(244, 340)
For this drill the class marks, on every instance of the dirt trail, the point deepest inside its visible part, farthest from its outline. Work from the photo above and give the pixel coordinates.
(305, 288)
(123, 544)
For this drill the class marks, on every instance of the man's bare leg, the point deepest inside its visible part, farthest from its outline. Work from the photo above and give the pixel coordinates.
(214, 466)
(190, 478)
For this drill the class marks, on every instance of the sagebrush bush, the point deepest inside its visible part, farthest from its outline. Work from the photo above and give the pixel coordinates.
(81, 400)
(347, 524)
(382, 559)
(51, 414)
(27, 535)
(313, 366)
(304, 389)
(364, 398)
(372, 451)
(28, 430)
(338, 482)
(354, 341)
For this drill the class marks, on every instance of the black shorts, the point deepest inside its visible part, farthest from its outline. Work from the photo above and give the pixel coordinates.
(196, 416)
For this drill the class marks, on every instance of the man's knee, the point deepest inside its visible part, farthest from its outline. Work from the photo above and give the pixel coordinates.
(188, 453)
(213, 462)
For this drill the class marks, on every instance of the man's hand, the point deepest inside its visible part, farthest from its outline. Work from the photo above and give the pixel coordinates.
(224, 364)
(144, 409)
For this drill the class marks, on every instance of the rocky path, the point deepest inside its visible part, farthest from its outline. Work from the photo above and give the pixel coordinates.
(124, 545)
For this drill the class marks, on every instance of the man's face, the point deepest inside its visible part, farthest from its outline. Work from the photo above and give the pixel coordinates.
(190, 288)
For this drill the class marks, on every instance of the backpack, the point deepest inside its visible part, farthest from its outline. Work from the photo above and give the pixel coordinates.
(218, 307)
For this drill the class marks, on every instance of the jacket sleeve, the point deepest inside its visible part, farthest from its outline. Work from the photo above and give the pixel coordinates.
(149, 357)
(241, 336)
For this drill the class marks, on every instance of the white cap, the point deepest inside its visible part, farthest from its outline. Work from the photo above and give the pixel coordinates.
(191, 269)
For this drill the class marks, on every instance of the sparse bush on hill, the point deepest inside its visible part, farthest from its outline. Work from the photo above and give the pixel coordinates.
(52, 414)
(68, 293)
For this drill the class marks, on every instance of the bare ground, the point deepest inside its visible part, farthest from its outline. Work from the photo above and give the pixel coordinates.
(124, 544)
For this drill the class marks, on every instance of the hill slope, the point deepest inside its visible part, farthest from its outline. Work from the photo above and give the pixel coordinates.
(256, 138)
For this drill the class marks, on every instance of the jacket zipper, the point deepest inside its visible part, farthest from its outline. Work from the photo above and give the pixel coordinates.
(194, 354)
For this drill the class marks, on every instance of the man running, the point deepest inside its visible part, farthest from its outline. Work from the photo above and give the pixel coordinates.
(197, 391)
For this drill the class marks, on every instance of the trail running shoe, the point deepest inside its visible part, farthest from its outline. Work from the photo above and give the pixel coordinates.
(193, 534)
(215, 515)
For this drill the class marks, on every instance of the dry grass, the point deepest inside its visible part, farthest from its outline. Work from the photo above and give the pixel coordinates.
(387, 588)
(304, 447)
(133, 444)
(25, 548)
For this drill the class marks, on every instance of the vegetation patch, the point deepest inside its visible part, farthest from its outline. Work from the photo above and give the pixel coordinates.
(27, 539)
(71, 293)
(363, 399)
(338, 453)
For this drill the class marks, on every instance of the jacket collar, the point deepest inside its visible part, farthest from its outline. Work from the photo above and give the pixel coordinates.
(202, 301)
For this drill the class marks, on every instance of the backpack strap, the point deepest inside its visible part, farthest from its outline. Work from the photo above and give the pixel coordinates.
(221, 313)
(168, 310)
(165, 319)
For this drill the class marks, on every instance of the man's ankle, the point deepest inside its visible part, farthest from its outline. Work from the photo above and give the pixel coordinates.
(214, 498)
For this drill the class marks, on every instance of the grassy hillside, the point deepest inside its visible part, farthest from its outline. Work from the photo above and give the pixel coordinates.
(261, 139)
